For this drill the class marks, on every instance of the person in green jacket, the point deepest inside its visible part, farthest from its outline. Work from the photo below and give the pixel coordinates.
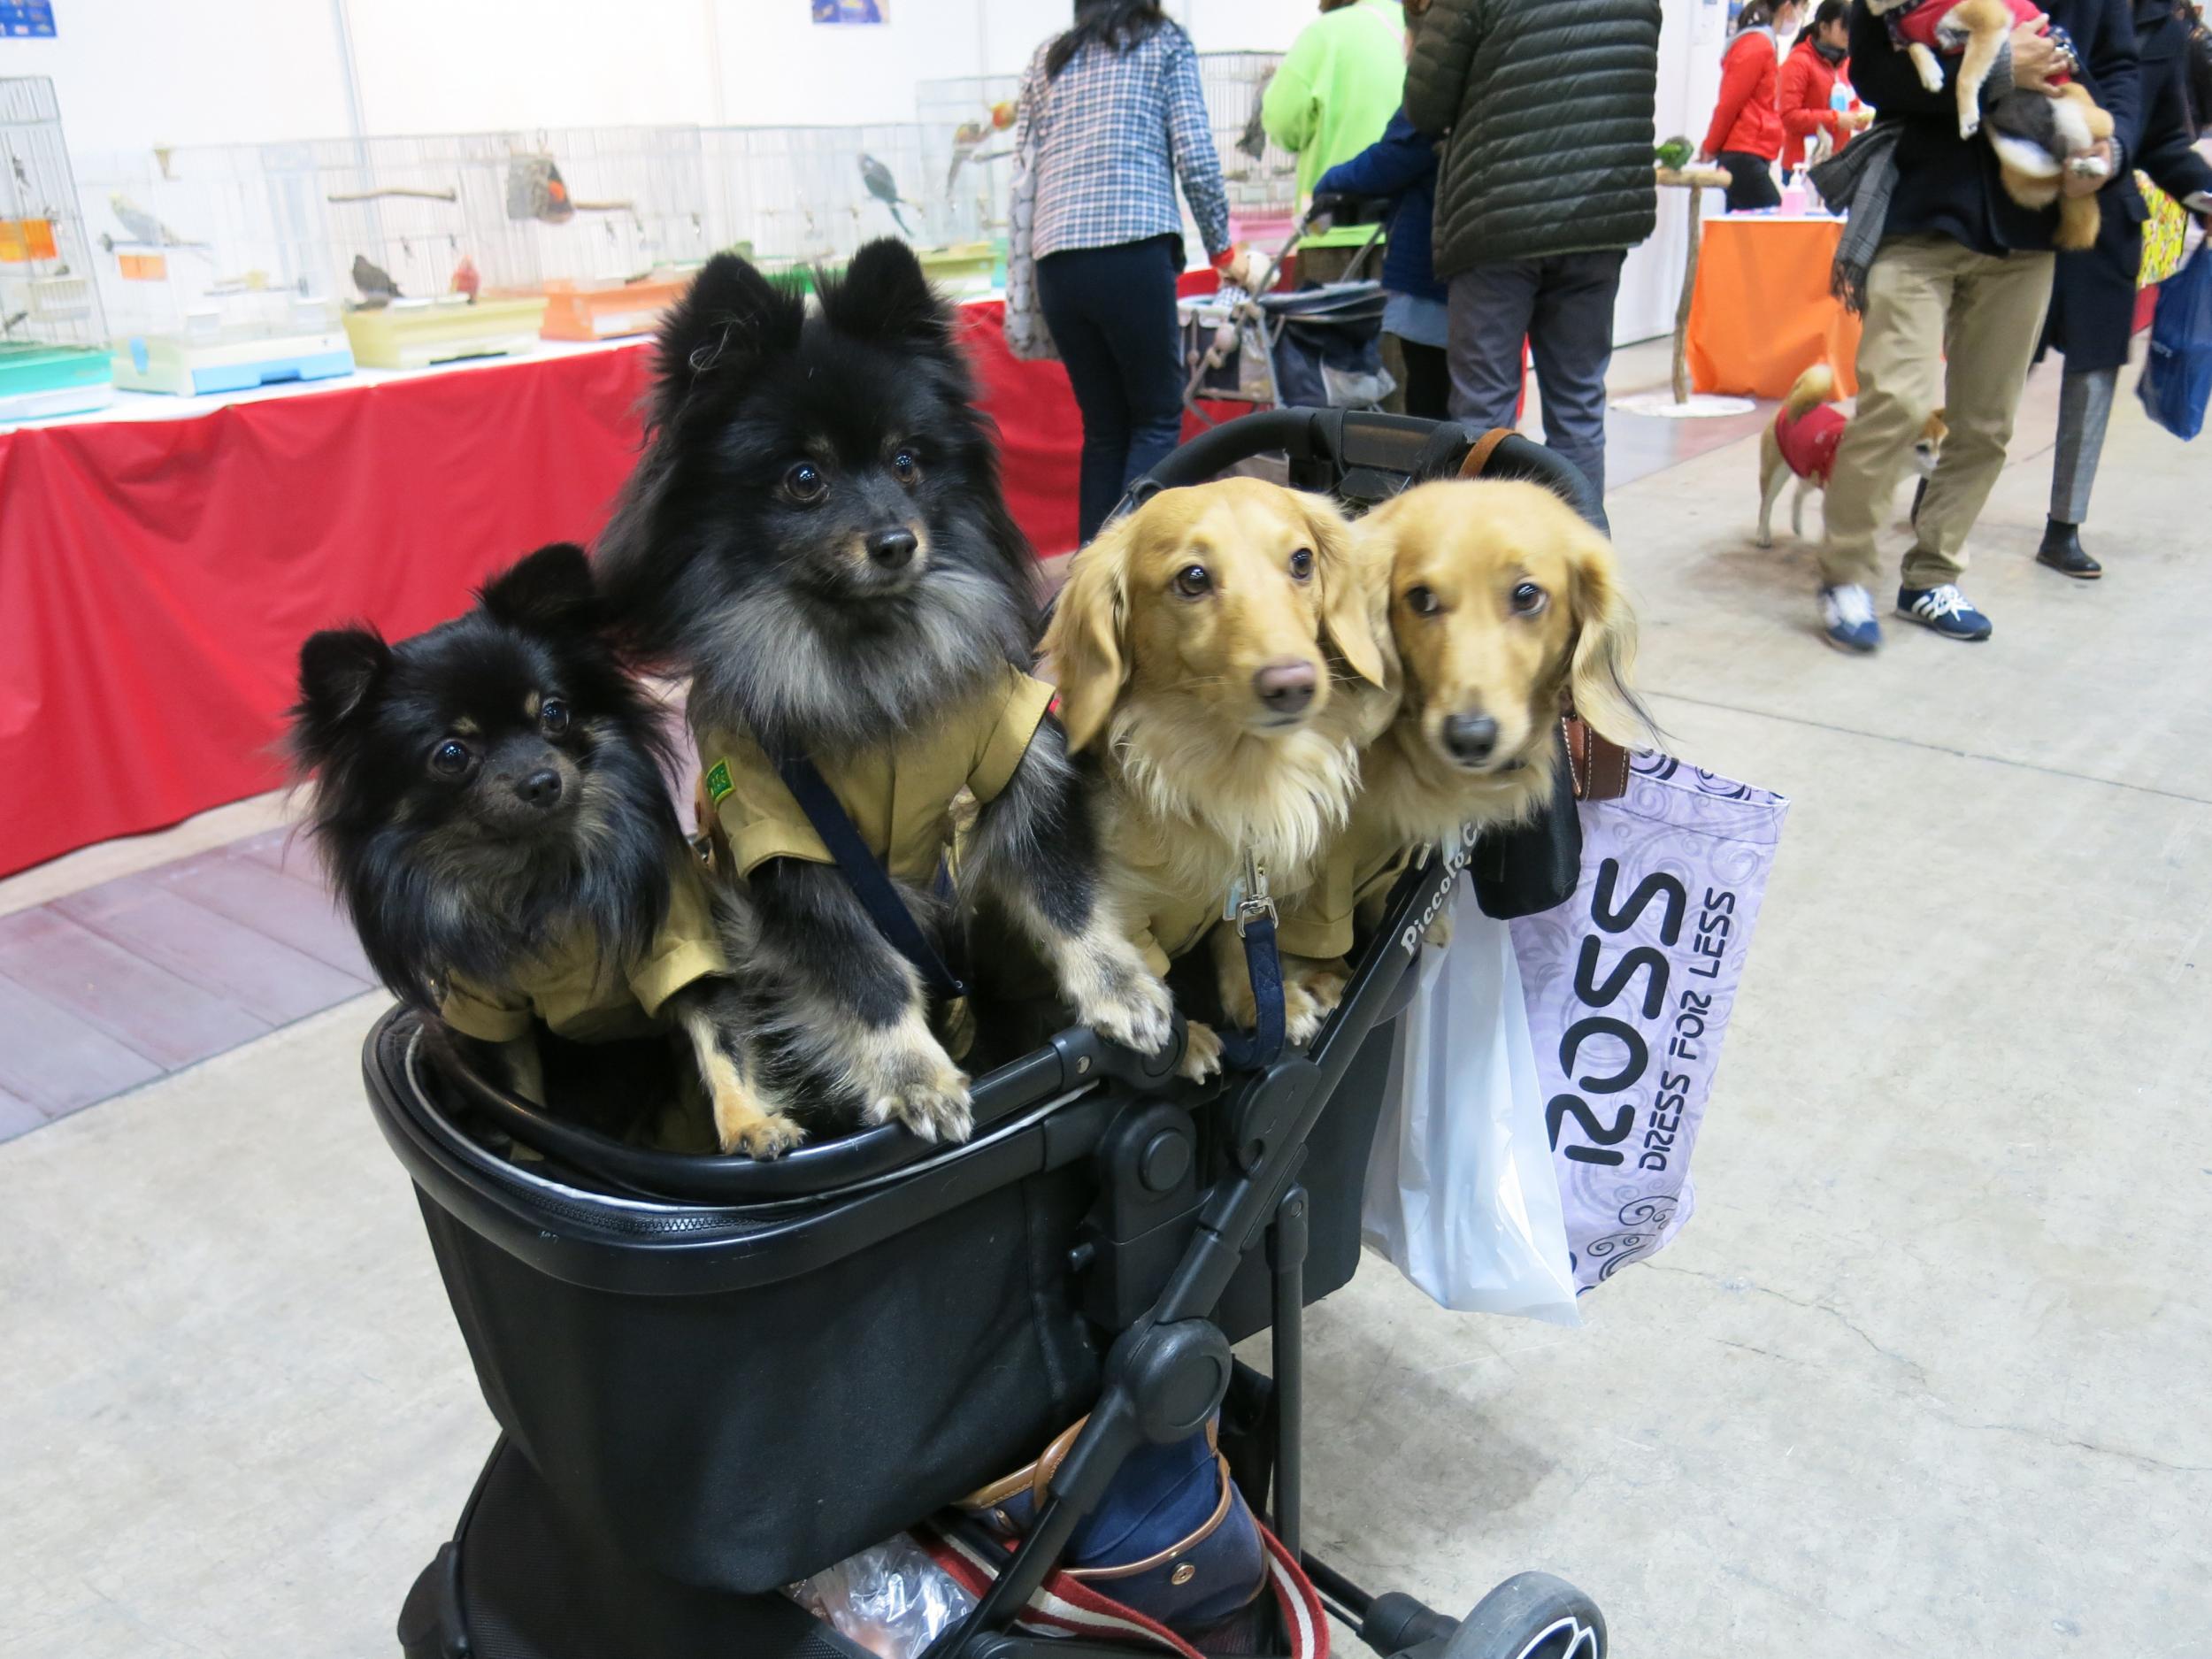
(1332, 96)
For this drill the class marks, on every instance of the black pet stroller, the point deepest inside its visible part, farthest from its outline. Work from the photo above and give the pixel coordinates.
(714, 1378)
(1316, 347)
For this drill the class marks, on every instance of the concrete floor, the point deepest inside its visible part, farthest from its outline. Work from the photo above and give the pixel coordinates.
(1925, 1374)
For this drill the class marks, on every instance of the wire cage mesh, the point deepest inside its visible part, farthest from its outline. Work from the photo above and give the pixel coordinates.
(434, 264)
(798, 196)
(214, 265)
(1261, 175)
(967, 123)
(53, 336)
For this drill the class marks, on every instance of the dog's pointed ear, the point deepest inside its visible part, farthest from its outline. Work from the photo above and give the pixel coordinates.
(1355, 595)
(549, 591)
(885, 294)
(1604, 652)
(1084, 639)
(731, 317)
(339, 672)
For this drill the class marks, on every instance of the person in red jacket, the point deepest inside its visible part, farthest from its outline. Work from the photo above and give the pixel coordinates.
(1805, 90)
(1746, 135)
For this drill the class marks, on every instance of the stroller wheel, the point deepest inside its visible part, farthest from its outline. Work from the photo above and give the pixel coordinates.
(1531, 1615)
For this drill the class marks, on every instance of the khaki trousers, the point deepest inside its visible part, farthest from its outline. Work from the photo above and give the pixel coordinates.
(1945, 328)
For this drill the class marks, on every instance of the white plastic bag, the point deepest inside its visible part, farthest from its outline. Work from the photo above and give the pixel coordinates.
(892, 1599)
(1460, 1191)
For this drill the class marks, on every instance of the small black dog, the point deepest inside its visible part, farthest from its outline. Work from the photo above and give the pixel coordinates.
(490, 800)
(817, 535)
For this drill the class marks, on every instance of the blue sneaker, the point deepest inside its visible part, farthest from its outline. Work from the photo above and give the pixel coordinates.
(1848, 612)
(1945, 609)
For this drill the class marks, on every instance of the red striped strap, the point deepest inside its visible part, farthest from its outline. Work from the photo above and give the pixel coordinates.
(1067, 1607)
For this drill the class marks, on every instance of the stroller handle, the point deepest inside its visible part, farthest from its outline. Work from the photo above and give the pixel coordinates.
(1359, 455)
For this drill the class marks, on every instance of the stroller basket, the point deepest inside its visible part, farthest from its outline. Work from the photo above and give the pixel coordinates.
(714, 1378)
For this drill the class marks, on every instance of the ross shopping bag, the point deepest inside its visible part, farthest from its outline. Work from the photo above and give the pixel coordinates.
(1460, 1195)
(2176, 379)
(1629, 989)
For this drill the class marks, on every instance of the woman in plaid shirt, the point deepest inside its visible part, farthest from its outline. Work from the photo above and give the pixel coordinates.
(1111, 115)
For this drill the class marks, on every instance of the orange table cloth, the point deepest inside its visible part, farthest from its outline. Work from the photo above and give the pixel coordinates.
(1762, 314)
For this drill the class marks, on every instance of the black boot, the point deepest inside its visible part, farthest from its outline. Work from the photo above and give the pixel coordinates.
(2062, 552)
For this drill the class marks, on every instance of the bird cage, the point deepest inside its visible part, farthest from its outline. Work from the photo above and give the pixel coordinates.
(967, 126)
(799, 197)
(214, 266)
(634, 231)
(1262, 177)
(434, 263)
(53, 337)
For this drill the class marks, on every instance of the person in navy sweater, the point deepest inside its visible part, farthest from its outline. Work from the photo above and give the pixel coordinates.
(1401, 167)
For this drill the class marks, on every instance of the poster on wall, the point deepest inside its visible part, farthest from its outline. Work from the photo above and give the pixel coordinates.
(21, 18)
(850, 10)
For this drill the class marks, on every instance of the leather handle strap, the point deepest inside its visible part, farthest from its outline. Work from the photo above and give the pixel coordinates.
(1597, 763)
(1481, 449)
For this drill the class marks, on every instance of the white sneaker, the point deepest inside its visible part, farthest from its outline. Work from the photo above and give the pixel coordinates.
(1848, 612)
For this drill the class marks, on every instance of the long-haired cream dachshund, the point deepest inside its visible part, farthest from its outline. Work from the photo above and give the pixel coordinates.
(1222, 652)
(1504, 607)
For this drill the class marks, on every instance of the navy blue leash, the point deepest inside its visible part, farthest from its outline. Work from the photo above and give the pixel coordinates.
(1254, 914)
(866, 875)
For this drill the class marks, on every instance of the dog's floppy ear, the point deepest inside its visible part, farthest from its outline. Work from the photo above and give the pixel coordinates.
(1604, 643)
(1355, 595)
(548, 591)
(730, 316)
(339, 670)
(885, 294)
(1084, 639)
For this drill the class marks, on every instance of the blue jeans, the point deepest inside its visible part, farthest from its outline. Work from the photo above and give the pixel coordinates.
(1562, 306)
(1111, 311)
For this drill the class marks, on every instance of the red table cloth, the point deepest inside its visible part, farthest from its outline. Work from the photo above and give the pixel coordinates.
(156, 576)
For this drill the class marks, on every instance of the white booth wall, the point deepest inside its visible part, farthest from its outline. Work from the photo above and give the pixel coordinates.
(136, 73)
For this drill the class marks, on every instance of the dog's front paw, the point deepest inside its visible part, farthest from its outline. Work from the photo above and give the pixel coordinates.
(1968, 125)
(1302, 1016)
(766, 1137)
(929, 1094)
(1128, 1004)
(1763, 538)
(1202, 1053)
(1440, 933)
(1320, 990)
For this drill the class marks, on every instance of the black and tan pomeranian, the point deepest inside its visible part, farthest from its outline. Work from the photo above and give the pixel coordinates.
(816, 536)
(489, 798)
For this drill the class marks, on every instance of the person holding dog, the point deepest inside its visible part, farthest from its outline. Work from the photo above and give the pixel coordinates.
(1953, 278)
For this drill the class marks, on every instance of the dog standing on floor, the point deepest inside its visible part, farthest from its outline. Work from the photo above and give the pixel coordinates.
(1801, 443)
(1220, 651)
(817, 535)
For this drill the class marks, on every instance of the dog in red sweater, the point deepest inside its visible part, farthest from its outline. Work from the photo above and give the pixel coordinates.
(1801, 444)
(2038, 137)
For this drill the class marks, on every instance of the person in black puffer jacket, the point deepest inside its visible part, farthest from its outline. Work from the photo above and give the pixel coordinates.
(1547, 183)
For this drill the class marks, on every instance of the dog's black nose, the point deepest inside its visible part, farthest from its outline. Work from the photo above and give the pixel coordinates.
(540, 788)
(1286, 687)
(1470, 737)
(894, 550)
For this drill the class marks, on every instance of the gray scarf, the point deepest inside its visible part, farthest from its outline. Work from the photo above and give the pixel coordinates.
(1858, 179)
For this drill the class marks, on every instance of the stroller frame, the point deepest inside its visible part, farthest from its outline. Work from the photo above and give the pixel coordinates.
(1161, 1268)
(1242, 321)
